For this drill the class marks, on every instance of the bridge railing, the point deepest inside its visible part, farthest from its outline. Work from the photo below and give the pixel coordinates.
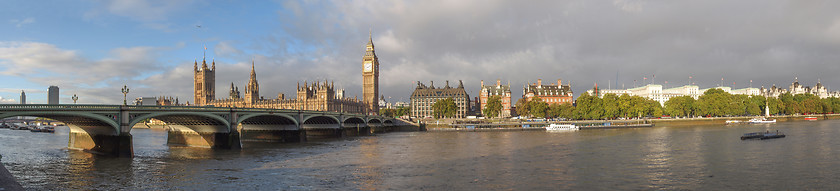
(49, 106)
(171, 108)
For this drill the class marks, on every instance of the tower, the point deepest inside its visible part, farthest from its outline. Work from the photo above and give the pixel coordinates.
(52, 97)
(252, 90)
(204, 82)
(370, 77)
(22, 97)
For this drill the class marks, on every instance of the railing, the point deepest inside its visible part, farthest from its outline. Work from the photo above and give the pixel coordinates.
(169, 108)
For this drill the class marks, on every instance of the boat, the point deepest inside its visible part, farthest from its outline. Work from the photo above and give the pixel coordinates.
(763, 135)
(35, 129)
(733, 121)
(561, 127)
(811, 118)
(760, 120)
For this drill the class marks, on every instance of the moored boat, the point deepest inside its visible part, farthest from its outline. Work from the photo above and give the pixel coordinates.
(561, 127)
(811, 118)
(761, 120)
(763, 135)
(733, 121)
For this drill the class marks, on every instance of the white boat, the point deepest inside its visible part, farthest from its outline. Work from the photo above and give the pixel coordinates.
(761, 120)
(732, 121)
(561, 127)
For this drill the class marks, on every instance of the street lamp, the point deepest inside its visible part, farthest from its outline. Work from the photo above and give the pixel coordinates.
(75, 98)
(125, 93)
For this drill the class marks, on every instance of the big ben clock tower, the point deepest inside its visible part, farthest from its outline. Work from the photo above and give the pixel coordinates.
(370, 76)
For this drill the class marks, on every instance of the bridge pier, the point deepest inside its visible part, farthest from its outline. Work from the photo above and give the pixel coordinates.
(325, 133)
(100, 143)
(204, 139)
(271, 135)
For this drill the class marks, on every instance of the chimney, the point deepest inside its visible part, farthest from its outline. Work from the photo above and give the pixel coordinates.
(498, 82)
(559, 82)
(539, 82)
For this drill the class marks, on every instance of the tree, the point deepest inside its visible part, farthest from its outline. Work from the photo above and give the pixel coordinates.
(624, 104)
(791, 105)
(537, 107)
(756, 105)
(610, 106)
(444, 108)
(522, 107)
(776, 105)
(714, 102)
(386, 112)
(682, 106)
(493, 107)
(403, 111)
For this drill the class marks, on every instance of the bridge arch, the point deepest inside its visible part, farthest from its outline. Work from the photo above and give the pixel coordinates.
(77, 120)
(278, 116)
(320, 122)
(375, 121)
(354, 120)
(199, 122)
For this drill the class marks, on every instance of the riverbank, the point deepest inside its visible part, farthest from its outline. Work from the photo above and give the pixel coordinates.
(530, 126)
(7, 181)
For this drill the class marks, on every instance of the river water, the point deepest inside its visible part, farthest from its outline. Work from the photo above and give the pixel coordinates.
(662, 157)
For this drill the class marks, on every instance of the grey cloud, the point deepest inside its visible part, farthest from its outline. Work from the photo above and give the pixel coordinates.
(769, 42)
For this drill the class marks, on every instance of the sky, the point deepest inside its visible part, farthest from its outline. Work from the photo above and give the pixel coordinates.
(92, 48)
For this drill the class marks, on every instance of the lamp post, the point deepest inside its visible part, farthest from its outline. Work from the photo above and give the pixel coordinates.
(74, 98)
(125, 94)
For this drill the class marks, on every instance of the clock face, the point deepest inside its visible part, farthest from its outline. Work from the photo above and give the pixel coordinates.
(368, 66)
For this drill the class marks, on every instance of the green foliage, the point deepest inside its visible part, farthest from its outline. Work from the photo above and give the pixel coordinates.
(683, 106)
(493, 107)
(522, 107)
(401, 111)
(537, 107)
(444, 108)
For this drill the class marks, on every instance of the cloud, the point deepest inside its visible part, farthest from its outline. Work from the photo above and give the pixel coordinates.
(575, 40)
(153, 14)
(20, 22)
(95, 81)
(7, 101)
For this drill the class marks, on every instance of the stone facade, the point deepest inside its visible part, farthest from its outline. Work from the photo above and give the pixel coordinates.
(550, 94)
(500, 90)
(204, 82)
(424, 97)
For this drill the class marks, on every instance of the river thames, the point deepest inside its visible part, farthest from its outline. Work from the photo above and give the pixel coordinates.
(663, 157)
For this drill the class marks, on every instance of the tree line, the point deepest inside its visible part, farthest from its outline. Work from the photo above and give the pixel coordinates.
(713, 103)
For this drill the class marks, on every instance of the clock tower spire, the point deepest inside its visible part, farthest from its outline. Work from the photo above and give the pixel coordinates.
(370, 77)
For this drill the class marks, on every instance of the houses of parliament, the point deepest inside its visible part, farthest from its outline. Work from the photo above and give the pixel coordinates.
(318, 96)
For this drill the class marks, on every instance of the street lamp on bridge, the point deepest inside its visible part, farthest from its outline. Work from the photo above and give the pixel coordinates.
(125, 94)
(74, 98)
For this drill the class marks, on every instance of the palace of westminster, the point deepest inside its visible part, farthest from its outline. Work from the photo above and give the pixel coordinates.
(318, 96)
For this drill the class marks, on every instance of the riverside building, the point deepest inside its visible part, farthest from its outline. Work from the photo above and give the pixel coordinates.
(503, 91)
(424, 97)
(550, 94)
(318, 96)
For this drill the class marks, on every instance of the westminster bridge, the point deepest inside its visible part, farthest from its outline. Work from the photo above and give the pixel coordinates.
(106, 129)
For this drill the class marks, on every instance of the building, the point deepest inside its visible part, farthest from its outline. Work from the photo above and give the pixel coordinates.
(22, 97)
(318, 96)
(503, 91)
(652, 91)
(204, 81)
(550, 94)
(52, 95)
(424, 97)
(796, 88)
(370, 77)
(145, 101)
